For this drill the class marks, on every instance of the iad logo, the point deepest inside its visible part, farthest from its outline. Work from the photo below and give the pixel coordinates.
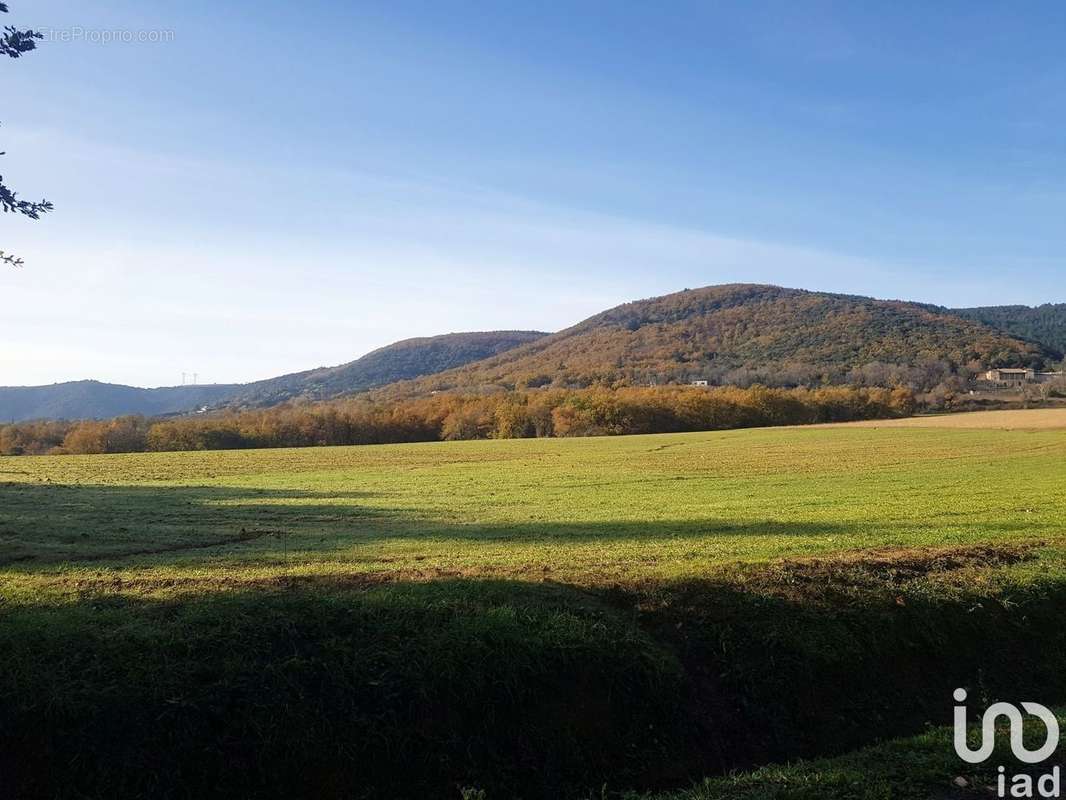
(1022, 785)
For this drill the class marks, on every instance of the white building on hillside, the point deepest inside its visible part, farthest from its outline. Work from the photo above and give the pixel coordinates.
(1010, 376)
(1020, 377)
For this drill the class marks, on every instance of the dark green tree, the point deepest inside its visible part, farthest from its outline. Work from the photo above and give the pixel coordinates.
(14, 43)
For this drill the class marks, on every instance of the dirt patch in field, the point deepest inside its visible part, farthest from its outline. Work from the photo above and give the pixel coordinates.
(115, 555)
(241, 538)
(899, 564)
(190, 585)
(855, 577)
(877, 576)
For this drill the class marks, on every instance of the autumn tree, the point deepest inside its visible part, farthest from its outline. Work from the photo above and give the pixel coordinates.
(14, 43)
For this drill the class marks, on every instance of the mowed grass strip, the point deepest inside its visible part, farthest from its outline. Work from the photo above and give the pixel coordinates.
(532, 618)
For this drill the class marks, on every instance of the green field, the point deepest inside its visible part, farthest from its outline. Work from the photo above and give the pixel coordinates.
(535, 618)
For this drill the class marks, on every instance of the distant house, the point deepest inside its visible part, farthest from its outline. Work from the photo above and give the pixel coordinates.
(1010, 376)
(1020, 377)
(699, 383)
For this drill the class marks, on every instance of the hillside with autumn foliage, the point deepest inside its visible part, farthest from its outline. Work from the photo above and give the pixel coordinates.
(407, 359)
(744, 334)
(739, 334)
(1045, 324)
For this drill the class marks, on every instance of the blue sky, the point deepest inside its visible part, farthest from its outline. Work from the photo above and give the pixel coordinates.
(286, 185)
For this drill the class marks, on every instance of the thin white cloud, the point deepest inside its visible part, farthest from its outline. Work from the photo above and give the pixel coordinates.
(213, 272)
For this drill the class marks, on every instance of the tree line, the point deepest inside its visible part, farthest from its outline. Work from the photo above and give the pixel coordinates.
(445, 416)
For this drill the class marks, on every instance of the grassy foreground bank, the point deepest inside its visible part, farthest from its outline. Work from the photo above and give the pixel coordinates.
(922, 767)
(530, 618)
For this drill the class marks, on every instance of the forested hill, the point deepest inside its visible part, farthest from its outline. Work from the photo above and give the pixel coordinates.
(745, 332)
(410, 358)
(1045, 324)
(96, 400)
(403, 360)
(734, 334)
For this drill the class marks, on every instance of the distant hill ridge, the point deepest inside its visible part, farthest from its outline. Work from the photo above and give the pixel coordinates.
(410, 358)
(403, 360)
(716, 331)
(731, 333)
(96, 400)
(1044, 324)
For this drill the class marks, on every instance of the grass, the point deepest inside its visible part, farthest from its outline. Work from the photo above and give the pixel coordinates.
(922, 767)
(587, 510)
(1031, 419)
(532, 617)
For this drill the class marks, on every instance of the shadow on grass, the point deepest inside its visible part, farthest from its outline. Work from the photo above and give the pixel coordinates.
(524, 690)
(48, 524)
(336, 688)
(411, 690)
